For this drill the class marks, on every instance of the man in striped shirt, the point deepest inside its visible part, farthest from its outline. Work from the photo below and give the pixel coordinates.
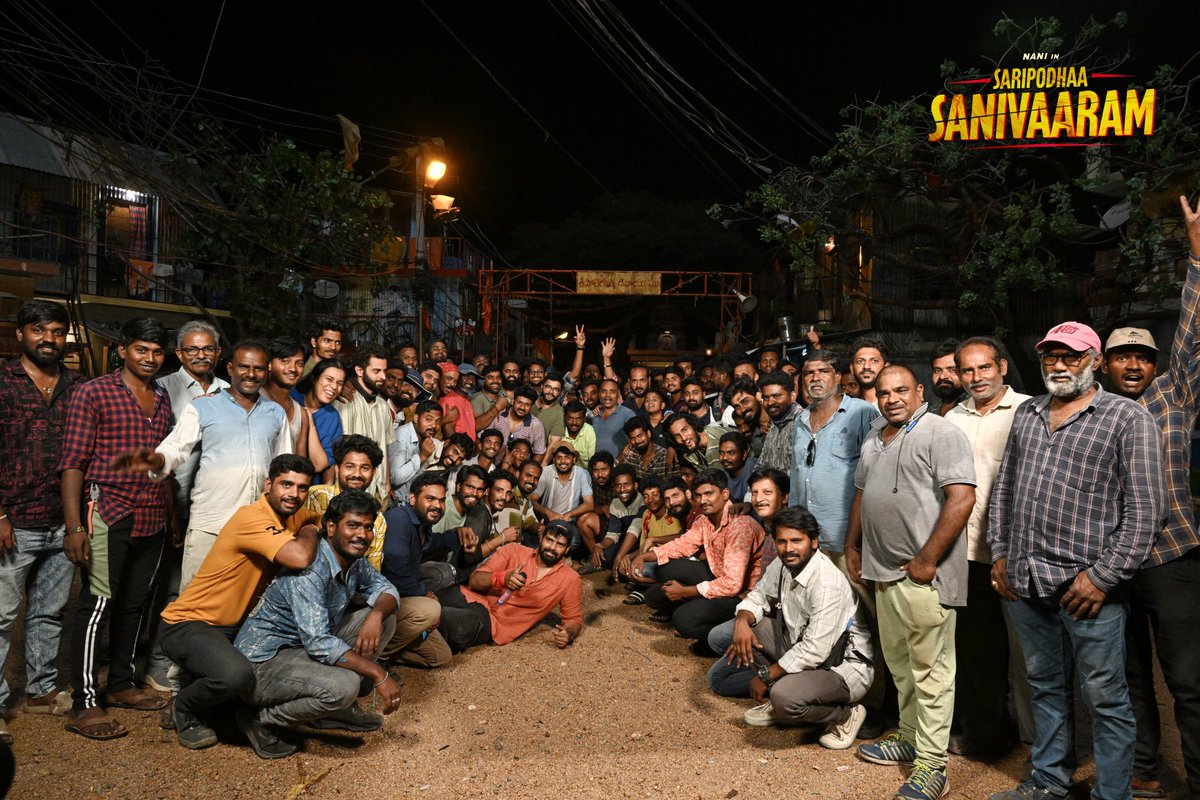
(1074, 512)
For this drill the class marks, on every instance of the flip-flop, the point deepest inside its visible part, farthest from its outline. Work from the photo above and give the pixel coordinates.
(145, 702)
(1159, 792)
(99, 728)
(634, 599)
(56, 702)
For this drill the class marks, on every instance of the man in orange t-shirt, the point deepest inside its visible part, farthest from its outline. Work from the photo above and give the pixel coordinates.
(199, 628)
(512, 591)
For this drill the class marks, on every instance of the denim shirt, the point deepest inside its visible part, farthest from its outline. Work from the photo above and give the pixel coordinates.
(827, 487)
(303, 608)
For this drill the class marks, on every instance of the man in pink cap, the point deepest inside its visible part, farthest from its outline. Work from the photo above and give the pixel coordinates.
(1076, 506)
(457, 407)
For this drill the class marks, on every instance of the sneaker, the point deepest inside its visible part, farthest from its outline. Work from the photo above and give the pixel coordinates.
(840, 735)
(264, 741)
(191, 732)
(160, 681)
(1029, 790)
(762, 716)
(924, 784)
(895, 749)
(351, 719)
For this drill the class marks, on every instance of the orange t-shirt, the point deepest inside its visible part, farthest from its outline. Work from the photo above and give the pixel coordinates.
(238, 568)
(524, 608)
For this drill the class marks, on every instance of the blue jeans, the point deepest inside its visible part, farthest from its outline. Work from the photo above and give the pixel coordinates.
(1098, 646)
(724, 678)
(39, 568)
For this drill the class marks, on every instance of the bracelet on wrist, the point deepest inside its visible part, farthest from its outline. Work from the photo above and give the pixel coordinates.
(387, 676)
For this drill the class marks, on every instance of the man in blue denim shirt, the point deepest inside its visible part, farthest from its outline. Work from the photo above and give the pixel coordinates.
(310, 658)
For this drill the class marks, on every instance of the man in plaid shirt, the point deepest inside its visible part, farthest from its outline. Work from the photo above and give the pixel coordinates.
(1165, 592)
(115, 523)
(1077, 504)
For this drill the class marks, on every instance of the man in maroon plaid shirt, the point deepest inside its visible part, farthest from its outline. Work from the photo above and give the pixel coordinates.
(115, 524)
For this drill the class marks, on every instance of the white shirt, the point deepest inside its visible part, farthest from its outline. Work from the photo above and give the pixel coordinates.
(988, 436)
(183, 388)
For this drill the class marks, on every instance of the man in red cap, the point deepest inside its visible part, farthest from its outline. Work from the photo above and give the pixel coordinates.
(1077, 504)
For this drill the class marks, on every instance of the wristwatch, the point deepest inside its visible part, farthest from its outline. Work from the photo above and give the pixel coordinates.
(764, 675)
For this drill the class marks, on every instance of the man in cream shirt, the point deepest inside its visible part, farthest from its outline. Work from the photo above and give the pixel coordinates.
(981, 723)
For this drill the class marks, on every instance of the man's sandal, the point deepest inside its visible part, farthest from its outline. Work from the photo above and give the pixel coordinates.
(98, 725)
(56, 702)
(135, 700)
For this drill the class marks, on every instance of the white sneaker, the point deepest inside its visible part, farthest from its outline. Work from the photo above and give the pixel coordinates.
(840, 736)
(762, 716)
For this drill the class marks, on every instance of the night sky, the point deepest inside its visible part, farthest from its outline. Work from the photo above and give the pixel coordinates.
(396, 66)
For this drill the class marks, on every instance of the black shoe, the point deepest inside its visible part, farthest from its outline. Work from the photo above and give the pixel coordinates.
(873, 727)
(166, 717)
(264, 741)
(700, 648)
(351, 719)
(661, 616)
(191, 732)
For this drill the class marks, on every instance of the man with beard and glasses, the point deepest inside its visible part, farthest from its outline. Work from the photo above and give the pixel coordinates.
(696, 596)
(237, 432)
(118, 533)
(518, 422)
(312, 655)
(325, 341)
(915, 487)
(982, 724)
(947, 386)
(868, 357)
(639, 382)
(778, 393)
(799, 646)
(578, 433)
(642, 453)
(513, 591)
(746, 414)
(416, 448)
(367, 412)
(199, 627)
(356, 459)
(35, 391)
(1075, 510)
(490, 400)
(535, 373)
(547, 408)
(1164, 603)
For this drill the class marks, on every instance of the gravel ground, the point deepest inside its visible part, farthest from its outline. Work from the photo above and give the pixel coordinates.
(623, 713)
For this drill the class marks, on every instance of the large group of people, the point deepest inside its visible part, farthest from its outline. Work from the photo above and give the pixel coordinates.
(274, 546)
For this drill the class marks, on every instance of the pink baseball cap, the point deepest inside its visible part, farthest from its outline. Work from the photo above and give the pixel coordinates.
(1075, 335)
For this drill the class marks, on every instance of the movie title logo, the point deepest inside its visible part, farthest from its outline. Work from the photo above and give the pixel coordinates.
(1043, 106)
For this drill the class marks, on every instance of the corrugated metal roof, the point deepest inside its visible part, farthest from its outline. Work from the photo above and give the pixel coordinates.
(32, 145)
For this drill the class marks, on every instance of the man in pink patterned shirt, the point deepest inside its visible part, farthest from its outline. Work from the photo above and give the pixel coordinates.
(697, 595)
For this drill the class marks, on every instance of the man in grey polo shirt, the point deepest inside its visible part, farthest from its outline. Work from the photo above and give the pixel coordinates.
(564, 493)
(915, 489)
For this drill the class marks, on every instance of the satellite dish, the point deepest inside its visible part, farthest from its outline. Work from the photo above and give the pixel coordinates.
(325, 289)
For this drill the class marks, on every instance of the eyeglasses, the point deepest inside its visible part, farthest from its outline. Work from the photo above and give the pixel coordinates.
(812, 453)
(1070, 359)
(208, 350)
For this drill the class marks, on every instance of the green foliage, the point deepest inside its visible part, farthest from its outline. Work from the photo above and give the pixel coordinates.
(279, 215)
(1006, 223)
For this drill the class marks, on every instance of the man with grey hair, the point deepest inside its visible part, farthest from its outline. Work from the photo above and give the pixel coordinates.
(197, 346)
(1076, 506)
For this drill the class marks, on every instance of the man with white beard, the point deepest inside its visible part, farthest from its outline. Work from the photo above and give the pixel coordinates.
(1076, 506)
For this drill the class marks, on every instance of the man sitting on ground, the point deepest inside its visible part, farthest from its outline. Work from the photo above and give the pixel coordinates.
(809, 662)
(695, 596)
(513, 591)
(624, 521)
(311, 659)
(199, 627)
